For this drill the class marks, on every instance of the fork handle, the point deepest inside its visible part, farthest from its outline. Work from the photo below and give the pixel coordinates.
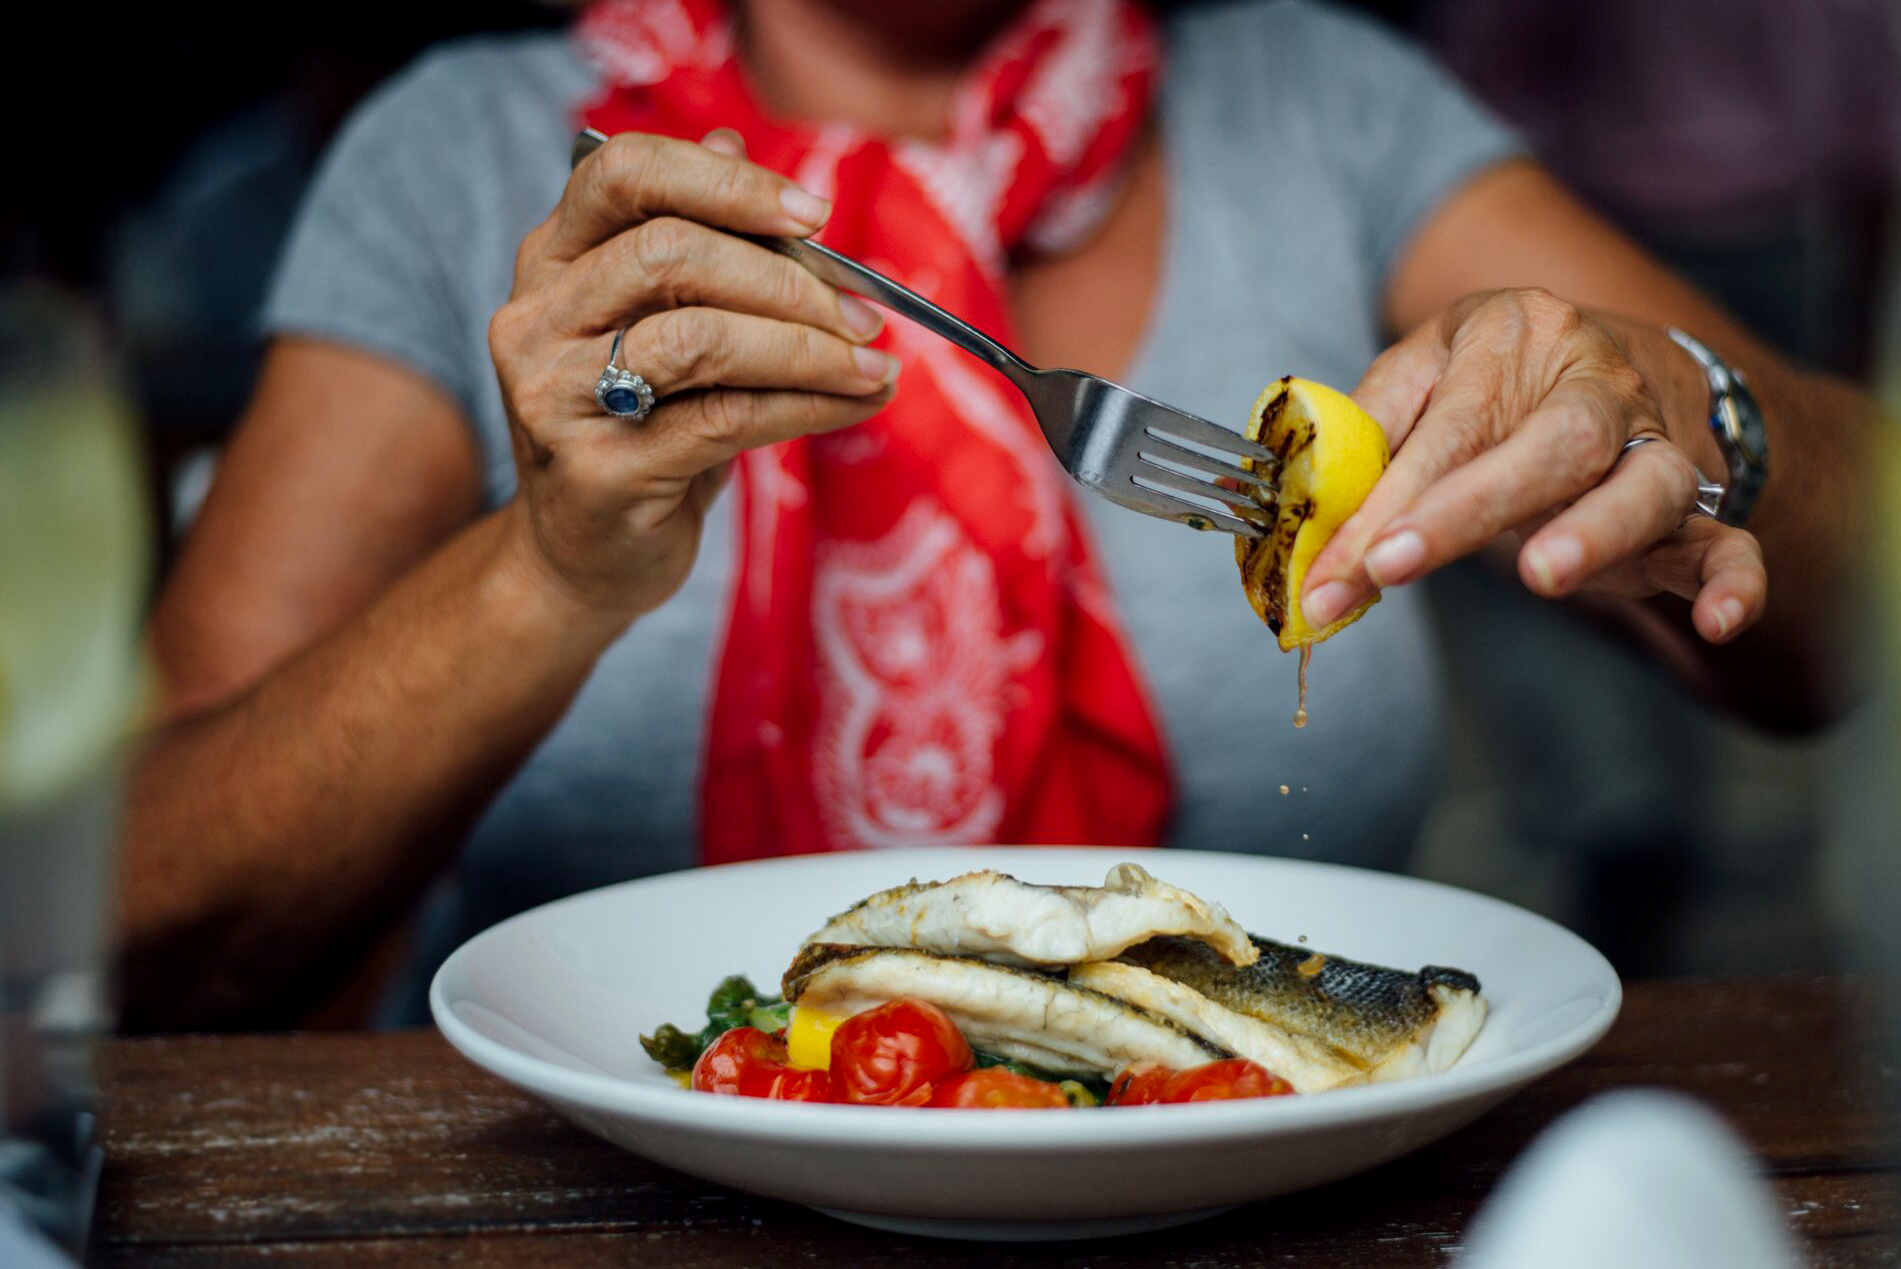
(847, 274)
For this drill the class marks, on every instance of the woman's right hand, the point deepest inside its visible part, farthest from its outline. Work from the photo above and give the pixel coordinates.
(742, 347)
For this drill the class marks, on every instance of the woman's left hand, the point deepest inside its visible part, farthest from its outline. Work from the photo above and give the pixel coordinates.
(1509, 414)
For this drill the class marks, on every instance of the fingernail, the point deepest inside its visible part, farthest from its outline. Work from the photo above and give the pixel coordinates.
(804, 206)
(1396, 559)
(880, 368)
(724, 141)
(864, 320)
(1554, 560)
(1729, 615)
(1326, 602)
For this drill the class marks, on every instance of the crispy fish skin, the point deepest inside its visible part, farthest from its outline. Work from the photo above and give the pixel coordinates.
(1018, 1013)
(1387, 1023)
(1310, 1065)
(995, 916)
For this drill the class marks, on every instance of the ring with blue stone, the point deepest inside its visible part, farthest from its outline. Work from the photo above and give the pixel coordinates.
(621, 392)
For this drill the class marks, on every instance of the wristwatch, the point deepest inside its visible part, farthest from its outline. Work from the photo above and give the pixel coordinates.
(1736, 421)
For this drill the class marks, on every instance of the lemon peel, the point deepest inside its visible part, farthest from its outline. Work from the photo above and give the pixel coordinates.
(1331, 454)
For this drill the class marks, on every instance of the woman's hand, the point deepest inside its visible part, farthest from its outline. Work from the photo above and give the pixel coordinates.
(741, 346)
(1509, 414)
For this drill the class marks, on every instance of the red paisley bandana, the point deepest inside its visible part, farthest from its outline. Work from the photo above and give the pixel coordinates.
(921, 650)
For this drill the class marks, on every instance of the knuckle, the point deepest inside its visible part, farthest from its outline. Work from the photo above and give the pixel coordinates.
(661, 249)
(506, 332)
(1549, 315)
(1625, 383)
(626, 159)
(738, 184)
(726, 418)
(791, 289)
(679, 339)
(812, 349)
(1582, 443)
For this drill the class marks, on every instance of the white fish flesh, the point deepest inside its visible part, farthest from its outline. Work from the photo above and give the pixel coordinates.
(994, 916)
(1017, 1013)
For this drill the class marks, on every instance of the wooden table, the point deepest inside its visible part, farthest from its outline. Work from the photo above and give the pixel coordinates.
(347, 1149)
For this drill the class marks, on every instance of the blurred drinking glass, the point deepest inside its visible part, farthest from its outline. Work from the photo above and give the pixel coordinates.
(73, 567)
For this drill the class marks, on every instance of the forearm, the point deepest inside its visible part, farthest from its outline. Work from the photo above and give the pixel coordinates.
(267, 836)
(1791, 667)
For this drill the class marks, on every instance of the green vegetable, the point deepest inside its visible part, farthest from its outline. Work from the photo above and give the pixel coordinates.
(672, 1047)
(734, 1003)
(771, 1017)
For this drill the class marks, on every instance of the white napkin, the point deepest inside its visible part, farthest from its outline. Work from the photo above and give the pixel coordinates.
(1639, 1180)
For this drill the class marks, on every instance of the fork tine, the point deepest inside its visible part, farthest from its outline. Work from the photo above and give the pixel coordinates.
(1164, 451)
(1181, 482)
(1160, 502)
(1171, 422)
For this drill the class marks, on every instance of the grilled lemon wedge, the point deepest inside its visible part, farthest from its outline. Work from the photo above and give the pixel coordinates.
(1331, 454)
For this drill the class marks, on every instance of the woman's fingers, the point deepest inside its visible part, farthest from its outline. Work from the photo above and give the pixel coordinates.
(686, 349)
(1455, 427)
(636, 176)
(687, 437)
(669, 263)
(1446, 494)
(1561, 450)
(1717, 567)
(1643, 500)
(1735, 586)
(690, 349)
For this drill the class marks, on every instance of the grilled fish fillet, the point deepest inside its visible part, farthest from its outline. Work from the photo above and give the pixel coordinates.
(1308, 1064)
(995, 916)
(1018, 1013)
(1317, 1021)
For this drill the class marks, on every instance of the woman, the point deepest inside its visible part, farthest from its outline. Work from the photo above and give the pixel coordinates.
(442, 605)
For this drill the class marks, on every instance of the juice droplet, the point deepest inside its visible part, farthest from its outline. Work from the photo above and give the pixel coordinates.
(1300, 713)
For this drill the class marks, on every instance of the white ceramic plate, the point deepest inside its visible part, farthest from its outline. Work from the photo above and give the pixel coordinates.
(554, 1001)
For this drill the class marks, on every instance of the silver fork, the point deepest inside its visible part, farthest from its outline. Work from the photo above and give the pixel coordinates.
(1129, 448)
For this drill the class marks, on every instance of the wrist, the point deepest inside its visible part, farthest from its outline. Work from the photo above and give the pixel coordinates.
(525, 580)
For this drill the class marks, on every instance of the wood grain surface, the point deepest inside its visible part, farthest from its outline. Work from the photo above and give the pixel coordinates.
(388, 1149)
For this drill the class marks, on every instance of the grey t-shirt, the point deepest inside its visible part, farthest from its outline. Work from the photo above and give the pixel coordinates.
(1302, 146)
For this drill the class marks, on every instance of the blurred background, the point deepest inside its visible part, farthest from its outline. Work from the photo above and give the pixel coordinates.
(1750, 143)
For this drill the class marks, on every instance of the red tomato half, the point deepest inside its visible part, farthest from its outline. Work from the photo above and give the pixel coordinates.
(994, 1088)
(894, 1054)
(1139, 1084)
(746, 1062)
(788, 1085)
(1222, 1081)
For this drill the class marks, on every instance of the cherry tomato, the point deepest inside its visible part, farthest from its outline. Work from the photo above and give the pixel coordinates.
(746, 1062)
(894, 1054)
(1222, 1081)
(994, 1088)
(1139, 1084)
(789, 1085)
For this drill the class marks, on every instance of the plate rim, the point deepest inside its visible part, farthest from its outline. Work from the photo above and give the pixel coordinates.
(869, 1126)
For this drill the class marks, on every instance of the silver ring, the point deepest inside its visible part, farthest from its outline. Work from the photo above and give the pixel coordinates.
(1709, 493)
(620, 392)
